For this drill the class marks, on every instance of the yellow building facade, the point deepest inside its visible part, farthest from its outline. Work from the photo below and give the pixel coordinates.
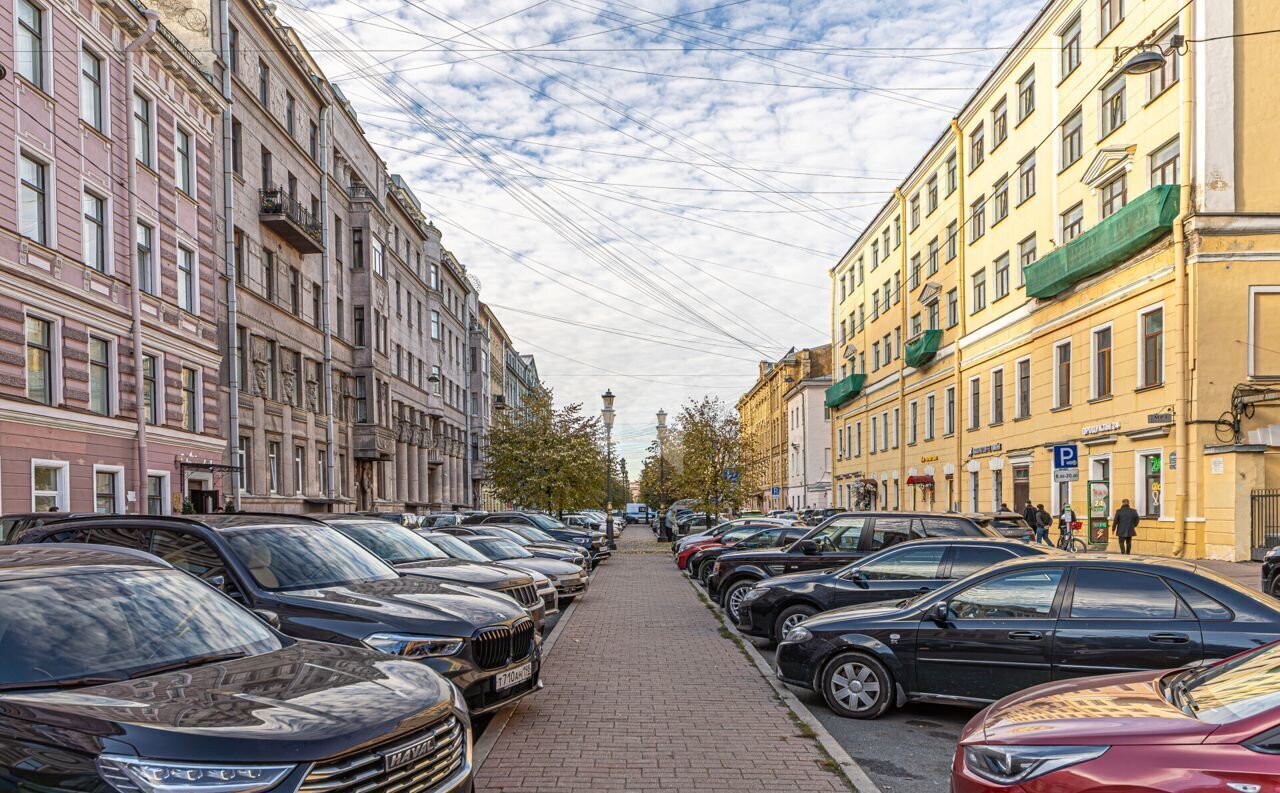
(1087, 256)
(762, 416)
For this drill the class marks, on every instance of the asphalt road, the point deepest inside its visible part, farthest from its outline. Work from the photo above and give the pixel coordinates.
(908, 750)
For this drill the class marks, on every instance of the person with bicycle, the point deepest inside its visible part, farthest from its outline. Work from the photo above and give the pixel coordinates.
(1067, 525)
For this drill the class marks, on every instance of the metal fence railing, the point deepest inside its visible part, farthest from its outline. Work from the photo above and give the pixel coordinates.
(1264, 519)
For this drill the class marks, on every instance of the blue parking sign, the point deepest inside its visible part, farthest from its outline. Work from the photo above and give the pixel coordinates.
(1066, 456)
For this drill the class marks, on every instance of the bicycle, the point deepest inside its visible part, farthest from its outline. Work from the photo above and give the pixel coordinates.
(1069, 542)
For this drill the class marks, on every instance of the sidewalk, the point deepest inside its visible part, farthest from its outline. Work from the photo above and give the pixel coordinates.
(1247, 574)
(644, 694)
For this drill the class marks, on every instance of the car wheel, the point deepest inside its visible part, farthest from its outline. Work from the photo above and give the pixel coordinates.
(1275, 586)
(789, 618)
(733, 597)
(857, 686)
(704, 574)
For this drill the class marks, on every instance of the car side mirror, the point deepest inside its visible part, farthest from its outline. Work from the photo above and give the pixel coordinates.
(218, 582)
(269, 617)
(940, 613)
(860, 578)
(807, 547)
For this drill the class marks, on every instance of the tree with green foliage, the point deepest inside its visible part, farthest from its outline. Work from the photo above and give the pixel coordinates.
(711, 451)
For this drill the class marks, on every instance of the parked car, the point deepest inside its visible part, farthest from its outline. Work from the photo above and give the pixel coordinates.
(537, 537)
(843, 539)
(1011, 525)
(21, 521)
(320, 585)
(434, 520)
(570, 579)
(409, 519)
(122, 673)
(776, 605)
(729, 537)
(409, 553)
(1175, 730)
(583, 521)
(704, 557)
(1037, 619)
(1271, 572)
(564, 552)
(812, 517)
(591, 541)
(719, 529)
(637, 513)
(457, 549)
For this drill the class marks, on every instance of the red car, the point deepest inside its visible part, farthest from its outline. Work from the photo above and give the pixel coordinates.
(1214, 728)
(728, 538)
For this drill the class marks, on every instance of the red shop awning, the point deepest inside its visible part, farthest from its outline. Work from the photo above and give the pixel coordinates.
(920, 480)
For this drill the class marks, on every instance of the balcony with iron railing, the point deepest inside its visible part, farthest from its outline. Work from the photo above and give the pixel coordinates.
(284, 215)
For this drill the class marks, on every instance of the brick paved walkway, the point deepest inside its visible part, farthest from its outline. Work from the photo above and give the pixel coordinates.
(644, 694)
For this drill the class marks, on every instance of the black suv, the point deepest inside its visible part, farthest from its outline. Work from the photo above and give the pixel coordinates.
(1271, 572)
(776, 605)
(590, 541)
(317, 584)
(836, 542)
(120, 673)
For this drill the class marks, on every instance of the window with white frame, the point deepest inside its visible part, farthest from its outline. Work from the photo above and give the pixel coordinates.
(184, 161)
(929, 416)
(187, 289)
(299, 469)
(977, 148)
(1000, 201)
(953, 308)
(897, 427)
(50, 491)
(953, 173)
(949, 411)
(1026, 94)
(147, 280)
(91, 90)
(1166, 76)
(157, 493)
(377, 255)
(273, 466)
(999, 123)
(1070, 47)
(875, 433)
(979, 291)
(1062, 374)
(1149, 480)
(932, 260)
(857, 439)
(975, 403)
(1027, 177)
(190, 380)
(108, 489)
(839, 443)
(1115, 193)
(143, 131)
(1072, 222)
(1026, 257)
(94, 230)
(150, 401)
(1113, 105)
(1110, 15)
(1024, 388)
(1000, 270)
(977, 219)
(244, 459)
(41, 337)
(913, 422)
(931, 194)
(1101, 362)
(100, 375)
(1072, 138)
(997, 396)
(953, 240)
(29, 54)
(1164, 164)
(33, 199)
(1151, 348)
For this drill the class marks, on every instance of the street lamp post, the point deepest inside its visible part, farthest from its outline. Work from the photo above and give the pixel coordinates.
(662, 466)
(607, 415)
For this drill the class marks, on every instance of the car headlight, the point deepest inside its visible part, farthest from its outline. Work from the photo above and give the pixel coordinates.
(166, 776)
(1009, 765)
(1274, 553)
(754, 593)
(797, 634)
(409, 645)
(459, 701)
(715, 568)
(582, 540)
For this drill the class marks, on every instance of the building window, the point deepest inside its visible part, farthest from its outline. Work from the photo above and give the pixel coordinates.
(99, 376)
(1150, 468)
(977, 150)
(933, 315)
(977, 219)
(95, 231)
(1110, 15)
(1027, 177)
(949, 411)
(1163, 79)
(91, 90)
(1102, 363)
(435, 380)
(33, 206)
(928, 417)
(435, 325)
(233, 35)
(953, 240)
(913, 420)
(953, 308)
(313, 141)
(40, 340)
(376, 255)
(1072, 139)
(975, 403)
(106, 491)
(1152, 351)
(237, 147)
(299, 469)
(1164, 164)
(1071, 47)
(264, 81)
(273, 466)
(269, 275)
(1062, 375)
(184, 163)
(933, 256)
(1001, 271)
(979, 291)
(295, 291)
(1026, 94)
(190, 399)
(916, 325)
(997, 396)
(915, 224)
(1115, 194)
(357, 248)
(142, 131)
(156, 495)
(999, 123)
(146, 261)
(186, 279)
(953, 173)
(30, 49)
(1000, 201)
(290, 114)
(242, 362)
(150, 404)
(1024, 388)
(317, 304)
(1072, 223)
(1113, 112)
(49, 486)
(931, 194)
(362, 400)
(244, 460)
(1026, 257)
(874, 438)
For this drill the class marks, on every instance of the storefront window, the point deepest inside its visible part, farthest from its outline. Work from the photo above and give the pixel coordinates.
(1149, 479)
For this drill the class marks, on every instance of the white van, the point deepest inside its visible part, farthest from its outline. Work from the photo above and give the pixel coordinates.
(637, 513)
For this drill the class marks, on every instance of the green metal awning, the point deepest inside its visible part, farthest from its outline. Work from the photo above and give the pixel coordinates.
(920, 350)
(845, 390)
(1115, 239)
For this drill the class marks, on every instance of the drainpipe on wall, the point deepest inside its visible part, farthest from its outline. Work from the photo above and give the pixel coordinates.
(901, 436)
(229, 263)
(135, 287)
(1182, 374)
(325, 278)
(961, 306)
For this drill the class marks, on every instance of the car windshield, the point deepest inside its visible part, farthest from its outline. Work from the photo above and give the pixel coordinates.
(507, 534)
(304, 557)
(531, 534)
(1233, 690)
(57, 629)
(389, 542)
(497, 548)
(431, 521)
(456, 548)
(545, 522)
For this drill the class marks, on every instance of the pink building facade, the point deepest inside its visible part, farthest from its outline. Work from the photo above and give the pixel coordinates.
(108, 307)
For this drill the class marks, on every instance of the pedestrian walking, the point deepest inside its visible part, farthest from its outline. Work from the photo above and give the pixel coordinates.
(1043, 520)
(1126, 523)
(1004, 507)
(1066, 522)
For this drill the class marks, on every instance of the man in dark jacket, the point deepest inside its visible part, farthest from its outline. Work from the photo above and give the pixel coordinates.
(1029, 515)
(1126, 526)
(1043, 521)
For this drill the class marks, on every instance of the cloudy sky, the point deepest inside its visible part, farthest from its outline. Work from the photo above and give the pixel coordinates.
(651, 192)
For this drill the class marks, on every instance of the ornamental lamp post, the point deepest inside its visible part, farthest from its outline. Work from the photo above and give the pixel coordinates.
(662, 465)
(607, 415)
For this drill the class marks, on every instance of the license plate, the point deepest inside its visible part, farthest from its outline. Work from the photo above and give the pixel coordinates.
(511, 677)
